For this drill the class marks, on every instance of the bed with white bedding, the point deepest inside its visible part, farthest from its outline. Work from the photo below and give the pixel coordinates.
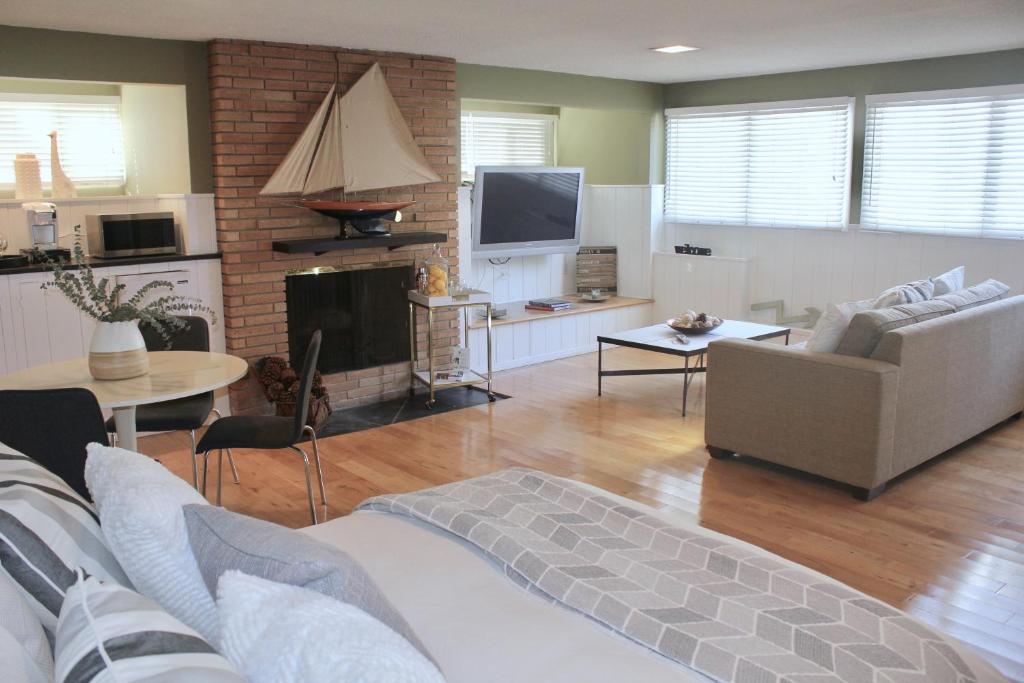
(481, 626)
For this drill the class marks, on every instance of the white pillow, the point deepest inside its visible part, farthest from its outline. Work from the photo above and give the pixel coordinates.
(950, 281)
(140, 501)
(276, 633)
(908, 293)
(831, 326)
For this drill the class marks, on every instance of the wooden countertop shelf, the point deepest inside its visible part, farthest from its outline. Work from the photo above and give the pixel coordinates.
(517, 311)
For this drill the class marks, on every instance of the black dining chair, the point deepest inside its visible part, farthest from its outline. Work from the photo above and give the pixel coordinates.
(182, 414)
(53, 427)
(266, 432)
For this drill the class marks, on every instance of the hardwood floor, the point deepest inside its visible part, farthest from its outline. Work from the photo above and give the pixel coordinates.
(945, 543)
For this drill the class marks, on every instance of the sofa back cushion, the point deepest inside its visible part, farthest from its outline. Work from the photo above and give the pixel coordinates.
(978, 295)
(867, 327)
(47, 531)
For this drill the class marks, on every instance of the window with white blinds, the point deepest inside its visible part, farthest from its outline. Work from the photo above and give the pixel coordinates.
(948, 162)
(90, 141)
(496, 139)
(779, 164)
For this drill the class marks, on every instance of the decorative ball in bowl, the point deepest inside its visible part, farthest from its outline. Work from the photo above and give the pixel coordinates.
(691, 322)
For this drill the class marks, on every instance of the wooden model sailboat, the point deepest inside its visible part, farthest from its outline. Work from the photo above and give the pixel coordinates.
(357, 141)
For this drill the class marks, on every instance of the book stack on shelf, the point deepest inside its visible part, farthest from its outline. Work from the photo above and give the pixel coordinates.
(548, 304)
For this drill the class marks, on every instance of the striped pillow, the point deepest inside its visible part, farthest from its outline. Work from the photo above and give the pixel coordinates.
(109, 633)
(47, 531)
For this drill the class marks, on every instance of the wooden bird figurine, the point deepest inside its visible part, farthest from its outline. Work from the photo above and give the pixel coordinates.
(61, 185)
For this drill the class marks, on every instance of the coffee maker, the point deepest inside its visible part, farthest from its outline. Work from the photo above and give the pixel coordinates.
(42, 225)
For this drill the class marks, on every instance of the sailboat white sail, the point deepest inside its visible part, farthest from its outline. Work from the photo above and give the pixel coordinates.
(358, 141)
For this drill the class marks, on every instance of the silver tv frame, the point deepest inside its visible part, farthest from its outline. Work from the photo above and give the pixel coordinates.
(506, 249)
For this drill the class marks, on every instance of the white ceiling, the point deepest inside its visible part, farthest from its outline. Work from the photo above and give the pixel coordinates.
(594, 37)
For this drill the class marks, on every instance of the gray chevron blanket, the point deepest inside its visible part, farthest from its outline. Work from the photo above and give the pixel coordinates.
(716, 606)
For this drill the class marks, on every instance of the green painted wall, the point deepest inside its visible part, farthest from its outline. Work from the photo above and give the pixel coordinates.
(501, 84)
(614, 146)
(65, 55)
(965, 71)
(611, 127)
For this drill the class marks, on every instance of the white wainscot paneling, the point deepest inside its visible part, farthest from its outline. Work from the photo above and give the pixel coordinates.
(814, 267)
(625, 217)
(549, 338)
(712, 284)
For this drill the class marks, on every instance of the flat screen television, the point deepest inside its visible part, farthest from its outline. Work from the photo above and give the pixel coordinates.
(522, 210)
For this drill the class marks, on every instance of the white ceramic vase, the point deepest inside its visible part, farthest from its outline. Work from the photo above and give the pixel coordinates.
(117, 351)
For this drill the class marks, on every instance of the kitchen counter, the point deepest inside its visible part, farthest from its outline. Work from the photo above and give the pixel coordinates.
(113, 262)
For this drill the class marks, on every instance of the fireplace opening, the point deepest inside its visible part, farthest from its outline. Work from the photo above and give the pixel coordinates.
(363, 313)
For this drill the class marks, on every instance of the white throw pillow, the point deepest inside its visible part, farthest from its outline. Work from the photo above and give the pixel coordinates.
(908, 293)
(276, 633)
(140, 501)
(831, 326)
(950, 281)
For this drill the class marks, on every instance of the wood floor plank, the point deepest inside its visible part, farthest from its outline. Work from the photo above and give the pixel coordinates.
(945, 542)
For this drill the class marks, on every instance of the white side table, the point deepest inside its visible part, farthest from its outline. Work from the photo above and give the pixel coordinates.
(432, 304)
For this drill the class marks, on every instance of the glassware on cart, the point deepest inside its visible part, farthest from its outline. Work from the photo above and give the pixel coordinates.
(437, 273)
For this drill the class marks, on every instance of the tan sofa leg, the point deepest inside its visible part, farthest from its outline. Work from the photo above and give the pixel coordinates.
(719, 453)
(868, 494)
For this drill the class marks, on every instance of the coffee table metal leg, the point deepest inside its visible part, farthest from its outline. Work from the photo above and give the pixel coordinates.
(687, 375)
(599, 375)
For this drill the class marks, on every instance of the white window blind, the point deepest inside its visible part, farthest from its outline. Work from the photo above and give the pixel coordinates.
(947, 162)
(495, 139)
(89, 137)
(779, 164)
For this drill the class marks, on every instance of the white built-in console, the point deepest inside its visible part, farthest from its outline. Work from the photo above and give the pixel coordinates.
(526, 336)
(623, 216)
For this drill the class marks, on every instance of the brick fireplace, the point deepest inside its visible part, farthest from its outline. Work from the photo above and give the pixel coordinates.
(261, 96)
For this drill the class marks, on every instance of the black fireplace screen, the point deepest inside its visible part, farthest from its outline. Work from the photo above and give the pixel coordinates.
(363, 313)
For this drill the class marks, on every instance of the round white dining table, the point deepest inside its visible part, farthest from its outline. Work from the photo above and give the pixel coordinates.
(172, 374)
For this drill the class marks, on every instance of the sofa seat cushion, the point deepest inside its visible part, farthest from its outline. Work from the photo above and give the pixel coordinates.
(867, 327)
(978, 295)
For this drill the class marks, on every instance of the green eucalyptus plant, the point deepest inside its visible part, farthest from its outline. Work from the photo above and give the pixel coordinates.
(101, 299)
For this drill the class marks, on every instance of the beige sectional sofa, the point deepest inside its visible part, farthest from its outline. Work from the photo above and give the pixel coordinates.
(907, 384)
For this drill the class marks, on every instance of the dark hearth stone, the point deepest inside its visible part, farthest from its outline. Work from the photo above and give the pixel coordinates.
(401, 409)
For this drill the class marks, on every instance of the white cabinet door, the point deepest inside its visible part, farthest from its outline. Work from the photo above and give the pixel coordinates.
(7, 359)
(48, 326)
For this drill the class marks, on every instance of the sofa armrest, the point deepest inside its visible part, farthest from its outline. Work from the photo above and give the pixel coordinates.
(823, 413)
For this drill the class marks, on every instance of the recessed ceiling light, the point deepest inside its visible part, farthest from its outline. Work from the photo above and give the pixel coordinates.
(673, 49)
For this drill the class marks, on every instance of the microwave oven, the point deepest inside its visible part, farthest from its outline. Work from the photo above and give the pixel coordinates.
(118, 235)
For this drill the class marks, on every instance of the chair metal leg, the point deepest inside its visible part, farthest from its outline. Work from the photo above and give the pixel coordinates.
(231, 458)
(316, 459)
(309, 482)
(206, 469)
(220, 473)
(195, 465)
(231, 462)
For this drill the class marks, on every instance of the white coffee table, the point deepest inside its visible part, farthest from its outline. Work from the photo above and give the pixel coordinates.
(172, 374)
(661, 338)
